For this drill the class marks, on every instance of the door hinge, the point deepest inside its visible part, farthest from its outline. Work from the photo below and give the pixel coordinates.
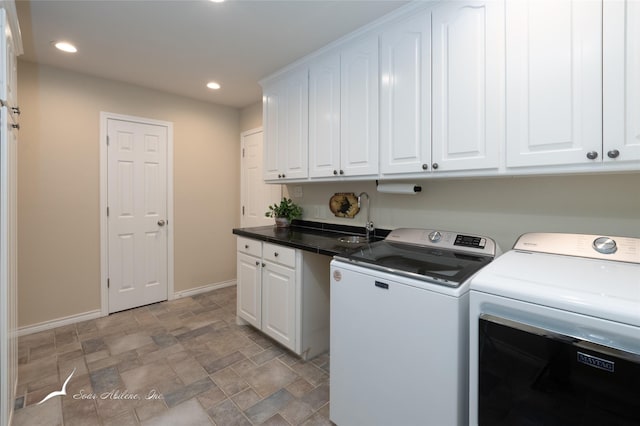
(242, 210)
(107, 140)
(242, 152)
(107, 211)
(108, 282)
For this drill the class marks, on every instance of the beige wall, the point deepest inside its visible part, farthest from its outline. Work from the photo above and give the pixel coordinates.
(251, 117)
(59, 238)
(502, 208)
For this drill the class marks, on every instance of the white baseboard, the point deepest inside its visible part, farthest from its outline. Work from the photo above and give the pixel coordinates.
(48, 325)
(204, 289)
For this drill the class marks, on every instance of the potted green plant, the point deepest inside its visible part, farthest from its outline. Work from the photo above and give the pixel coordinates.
(284, 212)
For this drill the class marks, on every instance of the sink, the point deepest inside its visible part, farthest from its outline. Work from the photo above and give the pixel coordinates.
(353, 239)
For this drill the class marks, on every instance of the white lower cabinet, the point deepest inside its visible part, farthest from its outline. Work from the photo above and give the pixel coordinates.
(284, 292)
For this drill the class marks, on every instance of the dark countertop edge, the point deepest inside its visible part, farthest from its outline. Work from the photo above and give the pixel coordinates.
(314, 228)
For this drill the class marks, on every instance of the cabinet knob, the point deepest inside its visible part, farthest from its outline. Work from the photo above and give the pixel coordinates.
(275, 254)
(341, 172)
(16, 110)
(425, 167)
(246, 246)
(283, 176)
(614, 153)
(434, 166)
(335, 172)
(264, 264)
(279, 176)
(15, 126)
(592, 155)
(257, 263)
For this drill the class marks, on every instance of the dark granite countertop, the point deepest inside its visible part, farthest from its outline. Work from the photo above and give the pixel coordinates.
(316, 237)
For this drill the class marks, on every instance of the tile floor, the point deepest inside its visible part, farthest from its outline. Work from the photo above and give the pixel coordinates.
(182, 362)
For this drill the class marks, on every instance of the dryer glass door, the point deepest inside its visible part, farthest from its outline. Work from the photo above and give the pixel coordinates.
(531, 376)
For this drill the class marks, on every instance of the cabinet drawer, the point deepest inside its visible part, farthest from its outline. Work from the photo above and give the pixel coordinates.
(279, 254)
(249, 246)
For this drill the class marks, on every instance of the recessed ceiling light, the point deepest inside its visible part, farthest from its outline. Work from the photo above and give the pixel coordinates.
(213, 85)
(65, 47)
(217, 1)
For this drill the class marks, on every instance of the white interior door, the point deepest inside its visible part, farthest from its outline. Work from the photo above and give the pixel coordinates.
(256, 195)
(137, 214)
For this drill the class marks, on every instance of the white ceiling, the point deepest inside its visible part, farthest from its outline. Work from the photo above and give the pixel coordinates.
(179, 45)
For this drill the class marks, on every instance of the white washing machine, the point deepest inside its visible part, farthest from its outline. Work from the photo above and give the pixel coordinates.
(555, 333)
(399, 329)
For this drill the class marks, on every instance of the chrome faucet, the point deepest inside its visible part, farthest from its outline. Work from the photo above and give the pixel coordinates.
(369, 225)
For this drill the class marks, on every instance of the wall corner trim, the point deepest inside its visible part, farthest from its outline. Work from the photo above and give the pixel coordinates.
(204, 289)
(59, 322)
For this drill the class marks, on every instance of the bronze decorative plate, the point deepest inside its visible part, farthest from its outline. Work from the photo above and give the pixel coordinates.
(344, 204)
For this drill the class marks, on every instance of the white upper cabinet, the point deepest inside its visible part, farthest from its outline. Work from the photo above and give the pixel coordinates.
(343, 111)
(621, 81)
(553, 82)
(324, 116)
(359, 107)
(405, 96)
(286, 115)
(467, 85)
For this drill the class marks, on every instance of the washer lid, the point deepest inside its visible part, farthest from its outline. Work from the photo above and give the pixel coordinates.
(594, 287)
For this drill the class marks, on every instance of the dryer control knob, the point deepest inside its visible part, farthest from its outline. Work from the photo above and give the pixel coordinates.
(435, 236)
(605, 245)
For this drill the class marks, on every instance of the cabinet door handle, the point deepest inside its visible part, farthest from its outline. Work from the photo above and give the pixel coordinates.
(341, 172)
(435, 166)
(335, 172)
(246, 246)
(592, 155)
(257, 263)
(275, 254)
(614, 153)
(264, 264)
(425, 167)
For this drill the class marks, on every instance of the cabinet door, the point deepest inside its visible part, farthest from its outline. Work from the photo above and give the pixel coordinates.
(621, 80)
(293, 150)
(285, 117)
(359, 107)
(324, 117)
(467, 85)
(249, 288)
(278, 303)
(405, 96)
(271, 117)
(554, 82)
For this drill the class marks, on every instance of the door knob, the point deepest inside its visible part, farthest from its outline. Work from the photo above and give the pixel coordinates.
(161, 222)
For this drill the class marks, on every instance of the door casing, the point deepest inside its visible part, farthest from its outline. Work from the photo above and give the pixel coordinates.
(104, 235)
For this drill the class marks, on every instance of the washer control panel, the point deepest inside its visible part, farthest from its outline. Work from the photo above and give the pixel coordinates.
(620, 249)
(445, 240)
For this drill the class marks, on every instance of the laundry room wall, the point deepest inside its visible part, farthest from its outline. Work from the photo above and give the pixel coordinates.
(502, 208)
(59, 187)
